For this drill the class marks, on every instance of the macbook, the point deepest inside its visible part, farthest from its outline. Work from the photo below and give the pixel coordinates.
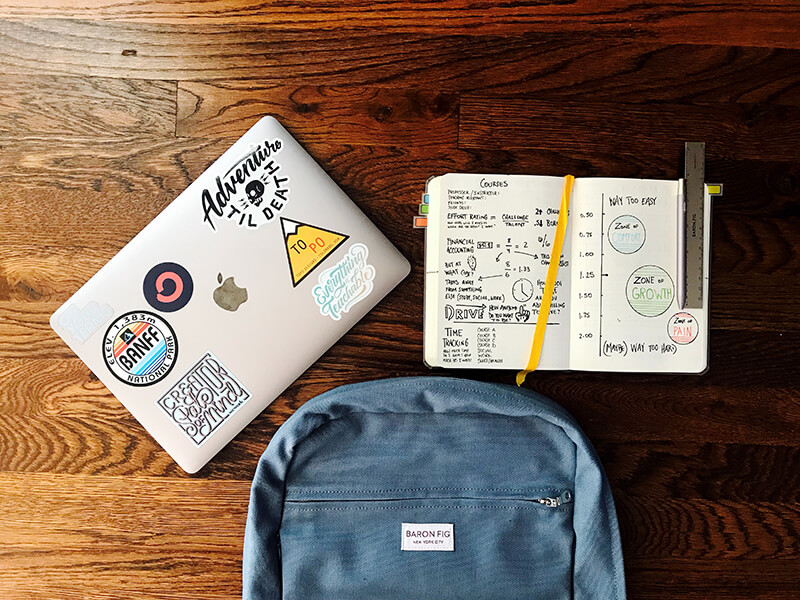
(229, 294)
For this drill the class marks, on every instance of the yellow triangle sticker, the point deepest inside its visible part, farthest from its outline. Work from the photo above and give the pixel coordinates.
(307, 246)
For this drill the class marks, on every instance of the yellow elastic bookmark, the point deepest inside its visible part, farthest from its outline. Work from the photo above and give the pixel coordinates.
(550, 282)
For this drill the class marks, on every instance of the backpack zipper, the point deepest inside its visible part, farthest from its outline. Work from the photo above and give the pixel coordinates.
(564, 498)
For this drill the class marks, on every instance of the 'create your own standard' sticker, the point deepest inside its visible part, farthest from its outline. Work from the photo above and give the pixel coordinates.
(204, 398)
(140, 348)
(345, 284)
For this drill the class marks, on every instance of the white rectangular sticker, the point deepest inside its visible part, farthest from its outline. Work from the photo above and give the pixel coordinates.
(430, 537)
(204, 398)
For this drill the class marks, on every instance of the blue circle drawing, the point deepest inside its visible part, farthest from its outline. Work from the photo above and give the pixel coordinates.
(626, 234)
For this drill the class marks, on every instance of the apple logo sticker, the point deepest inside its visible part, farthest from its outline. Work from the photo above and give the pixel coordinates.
(229, 296)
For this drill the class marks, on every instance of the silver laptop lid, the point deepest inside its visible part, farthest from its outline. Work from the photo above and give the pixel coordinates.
(227, 296)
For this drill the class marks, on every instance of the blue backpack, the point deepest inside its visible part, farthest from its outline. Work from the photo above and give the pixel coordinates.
(431, 488)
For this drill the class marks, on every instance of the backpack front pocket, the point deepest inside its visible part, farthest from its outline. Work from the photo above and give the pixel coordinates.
(470, 544)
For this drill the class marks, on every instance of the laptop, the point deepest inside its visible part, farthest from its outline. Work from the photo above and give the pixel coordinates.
(230, 294)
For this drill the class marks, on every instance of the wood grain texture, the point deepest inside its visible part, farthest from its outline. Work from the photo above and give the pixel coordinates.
(770, 24)
(79, 106)
(738, 131)
(112, 537)
(743, 473)
(378, 117)
(763, 579)
(562, 63)
(557, 68)
(703, 529)
(110, 108)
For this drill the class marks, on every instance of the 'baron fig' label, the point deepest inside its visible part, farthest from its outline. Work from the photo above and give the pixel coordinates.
(430, 537)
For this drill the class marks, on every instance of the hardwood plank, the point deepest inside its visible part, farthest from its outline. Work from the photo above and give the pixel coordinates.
(67, 422)
(772, 24)
(702, 529)
(65, 167)
(114, 165)
(94, 94)
(59, 388)
(55, 416)
(342, 114)
(757, 188)
(693, 579)
(605, 70)
(739, 472)
(116, 446)
(740, 360)
(25, 330)
(92, 515)
(85, 106)
(622, 73)
(565, 64)
(654, 409)
(576, 69)
(111, 167)
(750, 255)
(49, 274)
(112, 537)
(185, 51)
(134, 178)
(732, 130)
(762, 247)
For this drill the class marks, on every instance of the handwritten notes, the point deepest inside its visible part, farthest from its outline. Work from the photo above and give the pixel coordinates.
(493, 242)
(488, 245)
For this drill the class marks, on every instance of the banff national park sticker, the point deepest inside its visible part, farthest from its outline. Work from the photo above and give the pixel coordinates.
(204, 398)
(140, 348)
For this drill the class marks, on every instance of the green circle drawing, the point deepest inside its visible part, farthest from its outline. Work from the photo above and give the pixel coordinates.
(650, 290)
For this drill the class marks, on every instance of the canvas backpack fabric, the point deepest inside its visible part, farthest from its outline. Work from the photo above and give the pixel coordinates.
(431, 487)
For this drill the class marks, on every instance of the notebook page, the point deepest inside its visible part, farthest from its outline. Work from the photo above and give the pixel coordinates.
(625, 312)
(484, 279)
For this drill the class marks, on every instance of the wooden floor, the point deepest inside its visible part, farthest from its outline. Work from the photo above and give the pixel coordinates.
(109, 108)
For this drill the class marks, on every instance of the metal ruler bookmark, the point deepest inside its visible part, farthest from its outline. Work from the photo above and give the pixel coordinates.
(695, 175)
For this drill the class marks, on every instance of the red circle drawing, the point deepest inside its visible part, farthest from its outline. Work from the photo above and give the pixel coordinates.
(682, 328)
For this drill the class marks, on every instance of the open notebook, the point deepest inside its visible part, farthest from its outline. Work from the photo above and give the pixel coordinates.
(614, 306)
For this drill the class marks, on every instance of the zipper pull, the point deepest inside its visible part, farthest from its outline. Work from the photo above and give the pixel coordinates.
(564, 498)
